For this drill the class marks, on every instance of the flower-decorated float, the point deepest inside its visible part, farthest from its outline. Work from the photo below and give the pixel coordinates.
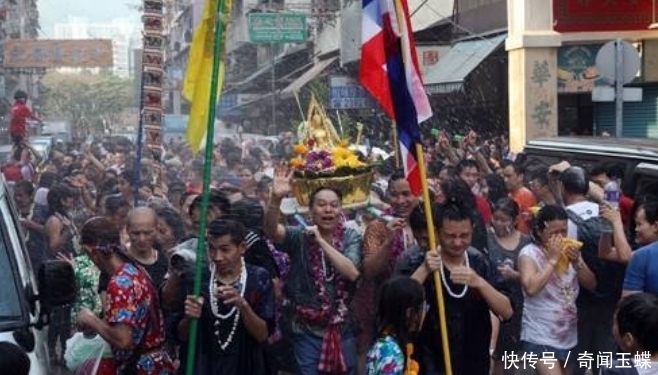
(322, 158)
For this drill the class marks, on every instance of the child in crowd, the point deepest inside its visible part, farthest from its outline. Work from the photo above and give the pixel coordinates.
(400, 313)
(636, 331)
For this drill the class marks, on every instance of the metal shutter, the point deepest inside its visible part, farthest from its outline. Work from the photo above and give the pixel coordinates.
(640, 118)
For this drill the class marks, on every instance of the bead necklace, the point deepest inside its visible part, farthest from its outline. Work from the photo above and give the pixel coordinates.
(213, 287)
(445, 282)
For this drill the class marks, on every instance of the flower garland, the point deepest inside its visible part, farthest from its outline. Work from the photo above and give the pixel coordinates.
(332, 313)
(326, 313)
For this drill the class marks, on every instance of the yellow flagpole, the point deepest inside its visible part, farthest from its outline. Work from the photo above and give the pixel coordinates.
(427, 205)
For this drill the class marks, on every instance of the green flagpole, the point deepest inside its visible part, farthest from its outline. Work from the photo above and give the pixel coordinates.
(201, 243)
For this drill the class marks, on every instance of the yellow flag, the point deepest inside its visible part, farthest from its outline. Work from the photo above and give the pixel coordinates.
(196, 84)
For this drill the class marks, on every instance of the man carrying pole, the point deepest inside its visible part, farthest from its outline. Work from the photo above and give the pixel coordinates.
(389, 71)
(236, 313)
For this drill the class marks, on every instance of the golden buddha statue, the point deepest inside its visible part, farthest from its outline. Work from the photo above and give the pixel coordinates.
(318, 127)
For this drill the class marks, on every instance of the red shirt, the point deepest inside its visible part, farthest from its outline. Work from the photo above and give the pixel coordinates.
(12, 172)
(626, 209)
(20, 113)
(484, 209)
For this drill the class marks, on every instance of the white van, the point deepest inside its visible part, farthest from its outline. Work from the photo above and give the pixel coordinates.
(24, 301)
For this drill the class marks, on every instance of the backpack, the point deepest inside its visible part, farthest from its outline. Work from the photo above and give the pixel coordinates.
(609, 275)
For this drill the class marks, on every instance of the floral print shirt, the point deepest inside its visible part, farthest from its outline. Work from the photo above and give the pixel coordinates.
(132, 301)
(86, 280)
(385, 358)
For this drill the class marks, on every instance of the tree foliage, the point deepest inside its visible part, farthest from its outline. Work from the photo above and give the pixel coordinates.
(92, 102)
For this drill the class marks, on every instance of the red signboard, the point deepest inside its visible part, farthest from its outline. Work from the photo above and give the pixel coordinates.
(602, 15)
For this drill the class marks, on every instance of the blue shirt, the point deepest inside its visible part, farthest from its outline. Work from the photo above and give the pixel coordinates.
(642, 270)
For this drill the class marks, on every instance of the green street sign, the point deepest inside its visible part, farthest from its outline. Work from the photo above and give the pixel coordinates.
(277, 27)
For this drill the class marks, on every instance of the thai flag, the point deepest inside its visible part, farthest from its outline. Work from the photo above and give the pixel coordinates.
(389, 71)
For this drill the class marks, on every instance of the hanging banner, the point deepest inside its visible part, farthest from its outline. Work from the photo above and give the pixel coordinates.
(601, 15)
(58, 53)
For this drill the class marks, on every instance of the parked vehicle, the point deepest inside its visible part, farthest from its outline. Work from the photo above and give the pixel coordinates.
(637, 156)
(25, 297)
(43, 144)
(5, 152)
(58, 129)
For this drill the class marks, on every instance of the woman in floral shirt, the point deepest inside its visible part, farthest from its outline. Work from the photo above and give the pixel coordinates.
(133, 325)
(86, 281)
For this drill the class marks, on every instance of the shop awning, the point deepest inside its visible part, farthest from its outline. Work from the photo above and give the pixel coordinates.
(307, 77)
(264, 71)
(449, 73)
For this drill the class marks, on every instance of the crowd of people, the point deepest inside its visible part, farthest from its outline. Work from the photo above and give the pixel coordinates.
(346, 292)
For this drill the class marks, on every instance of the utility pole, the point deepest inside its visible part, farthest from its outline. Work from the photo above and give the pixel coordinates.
(273, 52)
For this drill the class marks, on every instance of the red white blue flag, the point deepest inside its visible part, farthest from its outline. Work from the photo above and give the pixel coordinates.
(389, 71)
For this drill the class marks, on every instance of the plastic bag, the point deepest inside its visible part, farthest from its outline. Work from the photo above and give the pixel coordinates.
(82, 351)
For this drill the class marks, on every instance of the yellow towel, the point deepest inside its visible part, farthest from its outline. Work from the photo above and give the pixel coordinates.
(563, 263)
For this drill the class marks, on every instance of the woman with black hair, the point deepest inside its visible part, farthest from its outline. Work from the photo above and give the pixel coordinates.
(401, 310)
(551, 274)
(171, 229)
(62, 239)
(504, 244)
(61, 232)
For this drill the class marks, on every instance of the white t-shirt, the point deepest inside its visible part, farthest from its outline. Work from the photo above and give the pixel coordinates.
(41, 196)
(585, 210)
(550, 316)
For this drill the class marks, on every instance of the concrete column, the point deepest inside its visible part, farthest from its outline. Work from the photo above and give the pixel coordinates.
(532, 51)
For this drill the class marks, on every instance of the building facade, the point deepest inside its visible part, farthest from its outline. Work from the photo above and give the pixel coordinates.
(122, 31)
(553, 76)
